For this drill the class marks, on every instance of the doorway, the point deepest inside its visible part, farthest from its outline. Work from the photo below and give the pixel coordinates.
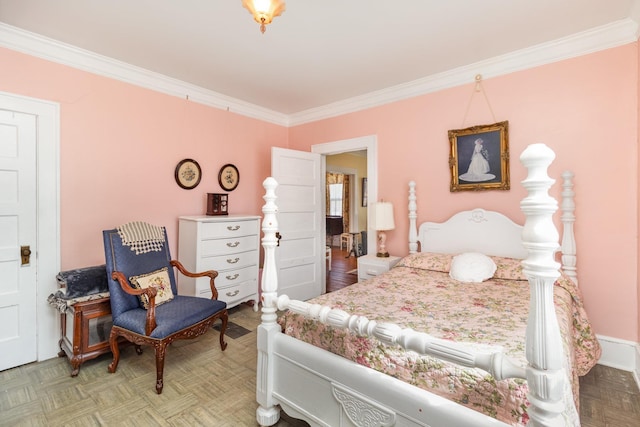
(367, 148)
(343, 195)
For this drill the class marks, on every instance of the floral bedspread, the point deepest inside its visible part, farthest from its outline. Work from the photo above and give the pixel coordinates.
(418, 293)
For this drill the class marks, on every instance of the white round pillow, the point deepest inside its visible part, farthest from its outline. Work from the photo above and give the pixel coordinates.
(472, 267)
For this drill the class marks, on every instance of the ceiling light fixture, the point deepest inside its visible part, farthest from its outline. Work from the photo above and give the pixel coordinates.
(264, 11)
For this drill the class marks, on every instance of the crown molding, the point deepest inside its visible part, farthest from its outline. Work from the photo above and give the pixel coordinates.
(43, 47)
(608, 36)
(611, 35)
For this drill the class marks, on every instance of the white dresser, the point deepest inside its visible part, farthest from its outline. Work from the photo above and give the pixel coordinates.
(228, 244)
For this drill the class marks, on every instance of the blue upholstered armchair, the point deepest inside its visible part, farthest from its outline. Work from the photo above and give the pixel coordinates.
(145, 304)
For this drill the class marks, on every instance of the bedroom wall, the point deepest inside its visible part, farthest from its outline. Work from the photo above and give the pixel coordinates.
(584, 108)
(119, 146)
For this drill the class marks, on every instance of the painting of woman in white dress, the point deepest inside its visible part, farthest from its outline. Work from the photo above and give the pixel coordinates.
(478, 170)
(479, 157)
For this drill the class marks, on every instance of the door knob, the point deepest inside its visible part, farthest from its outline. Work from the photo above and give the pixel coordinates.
(25, 254)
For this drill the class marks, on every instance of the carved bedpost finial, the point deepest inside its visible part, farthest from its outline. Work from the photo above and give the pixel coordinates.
(544, 351)
(268, 412)
(269, 284)
(568, 218)
(413, 215)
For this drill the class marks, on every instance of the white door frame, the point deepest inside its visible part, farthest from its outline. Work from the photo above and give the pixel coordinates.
(48, 213)
(369, 143)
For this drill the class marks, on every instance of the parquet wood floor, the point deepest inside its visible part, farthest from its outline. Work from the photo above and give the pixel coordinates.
(207, 387)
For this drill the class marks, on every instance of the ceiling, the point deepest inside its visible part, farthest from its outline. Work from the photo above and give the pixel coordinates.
(317, 53)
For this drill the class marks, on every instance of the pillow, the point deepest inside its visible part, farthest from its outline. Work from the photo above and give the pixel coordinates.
(159, 279)
(427, 261)
(508, 268)
(472, 267)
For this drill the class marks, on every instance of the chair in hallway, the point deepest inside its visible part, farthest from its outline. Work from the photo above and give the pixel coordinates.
(145, 306)
(346, 239)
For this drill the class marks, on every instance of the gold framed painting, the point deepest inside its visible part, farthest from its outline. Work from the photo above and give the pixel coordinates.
(479, 157)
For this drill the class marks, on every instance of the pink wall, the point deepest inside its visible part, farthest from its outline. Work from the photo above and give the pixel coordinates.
(119, 146)
(584, 108)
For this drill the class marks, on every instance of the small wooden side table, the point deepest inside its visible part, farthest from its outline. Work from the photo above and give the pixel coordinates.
(84, 330)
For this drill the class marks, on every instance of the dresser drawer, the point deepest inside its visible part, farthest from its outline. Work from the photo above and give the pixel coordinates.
(368, 271)
(211, 247)
(228, 278)
(215, 230)
(232, 277)
(234, 294)
(229, 261)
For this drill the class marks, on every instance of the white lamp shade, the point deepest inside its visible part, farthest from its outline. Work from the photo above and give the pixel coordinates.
(383, 216)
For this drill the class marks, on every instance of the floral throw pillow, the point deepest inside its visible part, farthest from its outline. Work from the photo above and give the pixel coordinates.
(158, 279)
(508, 268)
(427, 261)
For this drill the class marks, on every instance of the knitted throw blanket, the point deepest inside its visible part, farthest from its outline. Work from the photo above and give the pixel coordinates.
(142, 237)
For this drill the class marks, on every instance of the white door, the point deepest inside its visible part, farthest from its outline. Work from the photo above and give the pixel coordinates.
(300, 255)
(17, 229)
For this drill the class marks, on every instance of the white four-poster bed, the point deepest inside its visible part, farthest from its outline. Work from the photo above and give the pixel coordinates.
(326, 389)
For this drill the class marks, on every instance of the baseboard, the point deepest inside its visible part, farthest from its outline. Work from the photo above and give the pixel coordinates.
(621, 354)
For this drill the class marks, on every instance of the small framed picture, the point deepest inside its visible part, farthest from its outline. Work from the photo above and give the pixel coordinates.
(188, 174)
(479, 157)
(228, 177)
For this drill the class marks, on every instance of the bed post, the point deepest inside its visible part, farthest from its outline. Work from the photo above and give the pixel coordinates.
(544, 351)
(268, 413)
(413, 215)
(568, 218)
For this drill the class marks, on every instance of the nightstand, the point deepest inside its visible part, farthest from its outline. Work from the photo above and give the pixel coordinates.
(370, 265)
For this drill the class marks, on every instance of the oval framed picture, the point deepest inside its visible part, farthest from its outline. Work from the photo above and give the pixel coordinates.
(188, 174)
(229, 177)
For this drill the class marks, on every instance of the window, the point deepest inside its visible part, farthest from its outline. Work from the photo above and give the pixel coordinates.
(335, 199)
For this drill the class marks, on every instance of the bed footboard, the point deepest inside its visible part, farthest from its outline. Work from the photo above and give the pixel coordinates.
(495, 362)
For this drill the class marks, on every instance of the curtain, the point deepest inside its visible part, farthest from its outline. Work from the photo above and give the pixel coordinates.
(346, 201)
(340, 178)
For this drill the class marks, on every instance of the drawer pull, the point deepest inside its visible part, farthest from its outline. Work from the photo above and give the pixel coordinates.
(372, 272)
(233, 227)
(234, 277)
(234, 293)
(232, 261)
(233, 245)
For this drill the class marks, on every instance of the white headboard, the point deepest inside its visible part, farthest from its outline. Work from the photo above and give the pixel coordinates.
(487, 232)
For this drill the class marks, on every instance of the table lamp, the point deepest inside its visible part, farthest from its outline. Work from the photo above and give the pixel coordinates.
(383, 221)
